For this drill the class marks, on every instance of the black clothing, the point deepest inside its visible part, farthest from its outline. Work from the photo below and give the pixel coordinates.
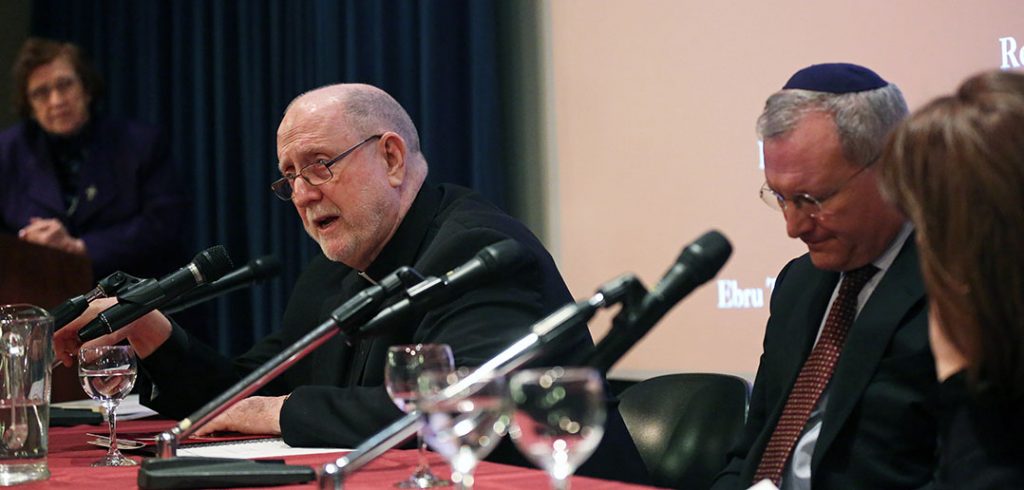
(337, 393)
(112, 185)
(980, 440)
(879, 427)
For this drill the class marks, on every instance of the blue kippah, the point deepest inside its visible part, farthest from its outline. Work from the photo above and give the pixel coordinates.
(836, 78)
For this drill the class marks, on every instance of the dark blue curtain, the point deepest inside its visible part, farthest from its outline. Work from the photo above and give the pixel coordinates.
(217, 75)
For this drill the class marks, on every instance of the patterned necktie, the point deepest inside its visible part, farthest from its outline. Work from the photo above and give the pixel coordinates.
(814, 376)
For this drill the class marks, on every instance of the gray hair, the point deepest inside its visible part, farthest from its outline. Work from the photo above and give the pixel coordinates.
(370, 110)
(863, 119)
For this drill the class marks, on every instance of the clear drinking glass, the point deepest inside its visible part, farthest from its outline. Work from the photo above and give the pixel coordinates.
(558, 418)
(464, 424)
(404, 365)
(107, 374)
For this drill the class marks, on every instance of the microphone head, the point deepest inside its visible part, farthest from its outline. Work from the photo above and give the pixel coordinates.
(697, 264)
(706, 255)
(505, 255)
(213, 263)
(265, 266)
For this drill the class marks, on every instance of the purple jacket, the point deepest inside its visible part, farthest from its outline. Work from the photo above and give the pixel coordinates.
(131, 210)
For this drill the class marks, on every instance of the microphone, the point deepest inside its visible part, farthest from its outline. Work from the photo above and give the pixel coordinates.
(496, 258)
(208, 265)
(623, 289)
(697, 264)
(111, 285)
(257, 270)
(501, 257)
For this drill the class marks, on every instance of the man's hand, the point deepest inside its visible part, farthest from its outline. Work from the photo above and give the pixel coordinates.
(145, 334)
(51, 233)
(253, 415)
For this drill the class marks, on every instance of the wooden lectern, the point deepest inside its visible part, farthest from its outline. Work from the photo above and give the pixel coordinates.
(44, 277)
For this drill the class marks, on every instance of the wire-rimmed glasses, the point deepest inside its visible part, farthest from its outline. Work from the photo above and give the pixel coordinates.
(314, 174)
(812, 206)
(62, 86)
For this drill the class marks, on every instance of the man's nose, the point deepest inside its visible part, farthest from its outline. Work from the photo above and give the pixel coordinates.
(303, 193)
(798, 222)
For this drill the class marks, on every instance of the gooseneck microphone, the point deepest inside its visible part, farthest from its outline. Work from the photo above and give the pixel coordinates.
(625, 289)
(697, 264)
(208, 265)
(111, 285)
(257, 270)
(505, 255)
(488, 264)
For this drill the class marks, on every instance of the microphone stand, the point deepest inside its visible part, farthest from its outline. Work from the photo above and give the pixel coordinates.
(114, 284)
(354, 312)
(166, 471)
(257, 270)
(625, 289)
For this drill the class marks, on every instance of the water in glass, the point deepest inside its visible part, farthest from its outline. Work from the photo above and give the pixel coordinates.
(465, 420)
(26, 352)
(107, 374)
(401, 373)
(558, 418)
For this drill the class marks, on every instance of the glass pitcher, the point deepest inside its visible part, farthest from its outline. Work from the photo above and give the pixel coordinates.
(26, 352)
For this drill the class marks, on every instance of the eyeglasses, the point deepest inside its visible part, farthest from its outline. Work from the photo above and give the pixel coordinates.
(62, 86)
(810, 205)
(314, 173)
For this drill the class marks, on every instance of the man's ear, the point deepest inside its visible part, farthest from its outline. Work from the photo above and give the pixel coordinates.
(395, 152)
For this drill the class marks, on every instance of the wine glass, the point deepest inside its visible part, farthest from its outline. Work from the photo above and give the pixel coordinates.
(467, 416)
(404, 365)
(107, 374)
(558, 418)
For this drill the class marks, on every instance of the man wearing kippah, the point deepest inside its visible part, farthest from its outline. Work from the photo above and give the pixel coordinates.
(844, 390)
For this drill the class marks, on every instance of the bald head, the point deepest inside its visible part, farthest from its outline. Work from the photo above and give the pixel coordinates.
(371, 168)
(358, 108)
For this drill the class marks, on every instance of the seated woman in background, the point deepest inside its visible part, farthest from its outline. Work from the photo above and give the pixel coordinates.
(83, 183)
(956, 167)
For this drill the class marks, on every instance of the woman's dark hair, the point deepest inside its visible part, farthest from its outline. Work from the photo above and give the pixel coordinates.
(37, 52)
(956, 167)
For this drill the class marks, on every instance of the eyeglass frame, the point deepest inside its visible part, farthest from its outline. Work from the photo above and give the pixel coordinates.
(62, 85)
(278, 185)
(777, 202)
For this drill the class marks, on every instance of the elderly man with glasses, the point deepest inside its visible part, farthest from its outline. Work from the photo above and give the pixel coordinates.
(351, 165)
(843, 396)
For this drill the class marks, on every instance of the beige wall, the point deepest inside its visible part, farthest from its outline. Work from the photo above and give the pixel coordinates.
(653, 141)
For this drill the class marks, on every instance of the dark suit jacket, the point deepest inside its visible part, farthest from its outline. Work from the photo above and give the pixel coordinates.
(980, 443)
(879, 428)
(131, 210)
(337, 393)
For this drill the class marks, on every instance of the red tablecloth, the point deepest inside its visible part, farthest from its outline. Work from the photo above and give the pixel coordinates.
(70, 457)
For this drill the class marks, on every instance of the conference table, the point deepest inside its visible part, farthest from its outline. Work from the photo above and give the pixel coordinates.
(70, 457)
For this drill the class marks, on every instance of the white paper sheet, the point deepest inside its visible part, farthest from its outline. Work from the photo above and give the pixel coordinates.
(129, 409)
(251, 449)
